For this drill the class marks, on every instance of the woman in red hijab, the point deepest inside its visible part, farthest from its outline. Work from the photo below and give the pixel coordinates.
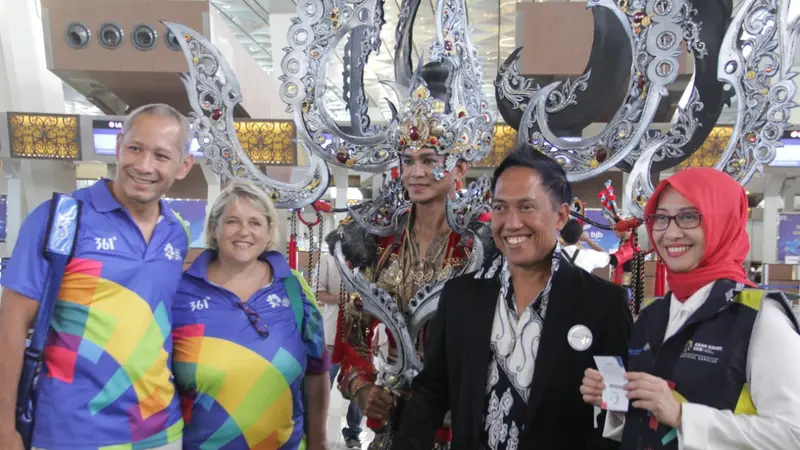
(715, 364)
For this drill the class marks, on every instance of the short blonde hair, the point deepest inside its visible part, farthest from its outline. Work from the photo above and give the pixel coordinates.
(239, 188)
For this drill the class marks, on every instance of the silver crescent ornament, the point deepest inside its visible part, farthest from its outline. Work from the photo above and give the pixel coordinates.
(579, 337)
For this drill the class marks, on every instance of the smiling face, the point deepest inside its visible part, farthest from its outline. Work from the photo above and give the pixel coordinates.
(681, 248)
(525, 223)
(418, 178)
(243, 231)
(149, 159)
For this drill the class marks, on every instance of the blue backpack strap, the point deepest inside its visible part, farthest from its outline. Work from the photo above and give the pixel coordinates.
(60, 239)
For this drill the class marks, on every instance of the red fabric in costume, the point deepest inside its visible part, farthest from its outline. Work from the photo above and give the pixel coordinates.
(624, 253)
(723, 205)
(660, 287)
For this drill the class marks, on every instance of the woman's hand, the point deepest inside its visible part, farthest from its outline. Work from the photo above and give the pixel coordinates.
(654, 394)
(592, 387)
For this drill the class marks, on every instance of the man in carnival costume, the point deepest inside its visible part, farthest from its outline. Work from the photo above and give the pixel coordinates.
(396, 251)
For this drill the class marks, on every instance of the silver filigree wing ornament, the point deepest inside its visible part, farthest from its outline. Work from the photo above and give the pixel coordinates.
(453, 121)
(755, 62)
(655, 30)
(383, 216)
(213, 94)
(378, 303)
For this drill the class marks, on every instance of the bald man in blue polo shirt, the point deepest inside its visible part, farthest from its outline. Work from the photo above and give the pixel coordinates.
(106, 378)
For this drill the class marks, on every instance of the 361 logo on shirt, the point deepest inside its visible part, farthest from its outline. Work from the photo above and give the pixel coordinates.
(105, 243)
(200, 305)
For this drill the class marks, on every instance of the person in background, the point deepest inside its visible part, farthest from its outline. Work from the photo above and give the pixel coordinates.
(506, 350)
(329, 293)
(106, 379)
(714, 364)
(250, 359)
(587, 259)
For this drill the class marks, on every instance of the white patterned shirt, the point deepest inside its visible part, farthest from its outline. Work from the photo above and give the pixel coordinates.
(514, 345)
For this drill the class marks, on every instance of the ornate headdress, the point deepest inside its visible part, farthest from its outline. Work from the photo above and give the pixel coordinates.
(751, 53)
(454, 123)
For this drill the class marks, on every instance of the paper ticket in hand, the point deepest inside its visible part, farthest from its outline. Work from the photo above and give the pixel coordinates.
(613, 372)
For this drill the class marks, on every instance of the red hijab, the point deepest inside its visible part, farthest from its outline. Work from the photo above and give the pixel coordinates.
(723, 204)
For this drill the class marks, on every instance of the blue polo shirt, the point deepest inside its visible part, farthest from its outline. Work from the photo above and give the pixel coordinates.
(239, 389)
(107, 379)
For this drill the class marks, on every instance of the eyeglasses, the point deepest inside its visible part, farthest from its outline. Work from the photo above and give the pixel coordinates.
(255, 319)
(685, 220)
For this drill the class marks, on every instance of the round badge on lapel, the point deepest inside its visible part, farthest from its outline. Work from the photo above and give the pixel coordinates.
(579, 337)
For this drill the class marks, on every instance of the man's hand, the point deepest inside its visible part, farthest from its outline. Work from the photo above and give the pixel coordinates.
(592, 387)
(11, 440)
(654, 394)
(374, 402)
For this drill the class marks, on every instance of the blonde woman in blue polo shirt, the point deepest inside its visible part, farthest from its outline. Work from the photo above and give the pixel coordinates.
(250, 359)
(106, 379)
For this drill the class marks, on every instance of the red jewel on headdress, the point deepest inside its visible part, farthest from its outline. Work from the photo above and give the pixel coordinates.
(341, 157)
(402, 142)
(601, 155)
(413, 133)
(358, 304)
(216, 114)
(638, 17)
(751, 138)
(433, 141)
(462, 114)
(641, 81)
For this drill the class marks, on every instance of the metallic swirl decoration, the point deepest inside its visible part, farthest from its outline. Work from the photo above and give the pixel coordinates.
(469, 204)
(213, 93)
(460, 130)
(599, 91)
(381, 216)
(313, 37)
(659, 27)
(712, 18)
(755, 61)
(379, 304)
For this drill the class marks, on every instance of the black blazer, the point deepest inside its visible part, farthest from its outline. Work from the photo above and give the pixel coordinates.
(457, 357)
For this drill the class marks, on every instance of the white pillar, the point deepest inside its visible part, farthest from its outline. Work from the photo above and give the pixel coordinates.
(341, 176)
(26, 84)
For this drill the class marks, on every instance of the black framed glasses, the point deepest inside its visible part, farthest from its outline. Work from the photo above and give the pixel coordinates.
(255, 319)
(685, 220)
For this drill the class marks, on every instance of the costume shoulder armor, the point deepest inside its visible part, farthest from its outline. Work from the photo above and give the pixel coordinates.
(383, 215)
(470, 205)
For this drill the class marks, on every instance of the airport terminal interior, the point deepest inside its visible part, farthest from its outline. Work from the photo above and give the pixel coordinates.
(304, 98)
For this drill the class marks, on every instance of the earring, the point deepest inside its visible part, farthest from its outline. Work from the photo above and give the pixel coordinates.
(459, 184)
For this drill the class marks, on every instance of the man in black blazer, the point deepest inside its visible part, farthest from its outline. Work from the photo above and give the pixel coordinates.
(509, 345)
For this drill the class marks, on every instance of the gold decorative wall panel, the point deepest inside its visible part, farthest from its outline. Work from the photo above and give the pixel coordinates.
(505, 140)
(709, 153)
(270, 142)
(44, 136)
